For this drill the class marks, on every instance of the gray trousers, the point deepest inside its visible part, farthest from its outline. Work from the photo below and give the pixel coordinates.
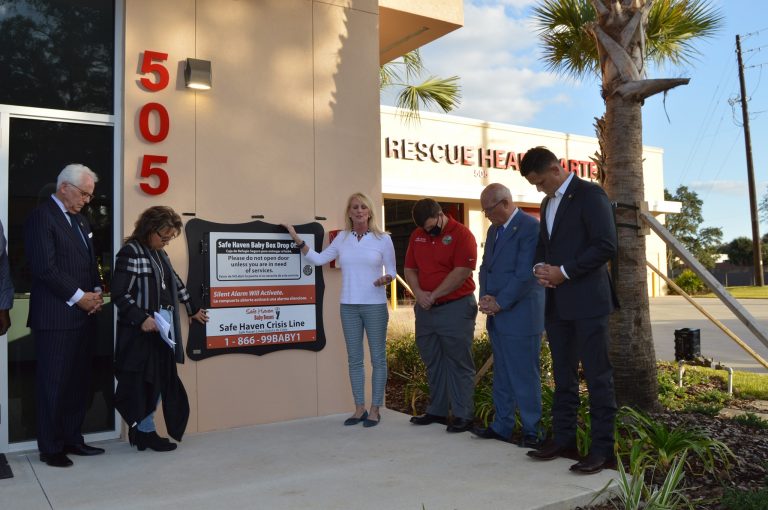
(444, 337)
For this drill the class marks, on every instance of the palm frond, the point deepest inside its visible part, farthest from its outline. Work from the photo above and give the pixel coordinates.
(437, 92)
(413, 64)
(388, 75)
(674, 26)
(568, 47)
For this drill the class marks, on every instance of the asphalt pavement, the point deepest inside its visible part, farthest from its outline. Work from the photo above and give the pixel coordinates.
(669, 313)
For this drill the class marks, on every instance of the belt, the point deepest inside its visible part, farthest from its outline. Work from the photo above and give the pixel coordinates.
(166, 307)
(447, 302)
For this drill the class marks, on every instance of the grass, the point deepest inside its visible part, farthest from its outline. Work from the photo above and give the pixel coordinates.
(746, 385)
(743, 293)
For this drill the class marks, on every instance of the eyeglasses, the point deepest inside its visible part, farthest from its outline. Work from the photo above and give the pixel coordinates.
(489, 210)
(87, 196)
(166, 239)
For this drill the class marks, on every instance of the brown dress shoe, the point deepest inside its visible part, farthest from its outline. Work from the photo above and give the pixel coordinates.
(594, 463)
(551, 450)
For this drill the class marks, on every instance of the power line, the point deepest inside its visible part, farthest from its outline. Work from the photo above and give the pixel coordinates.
(758, 48)
(715, 103)
(757, 32)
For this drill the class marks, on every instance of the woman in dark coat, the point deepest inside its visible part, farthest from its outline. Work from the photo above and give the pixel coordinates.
(145, 289)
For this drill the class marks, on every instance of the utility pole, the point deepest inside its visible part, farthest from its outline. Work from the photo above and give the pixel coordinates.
(756, 251)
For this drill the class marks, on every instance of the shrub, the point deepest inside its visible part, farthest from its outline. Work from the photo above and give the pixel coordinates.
(702, 391)
(403, 355)
(634, 493)
(484, 410)
(640, 437)
(689, 282)
(740, 499)
(751, 420)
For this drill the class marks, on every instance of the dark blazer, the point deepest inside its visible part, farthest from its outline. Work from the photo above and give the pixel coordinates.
(506, 274)
(60, 263)
(136, 293)
(583, 240)
(145, 368)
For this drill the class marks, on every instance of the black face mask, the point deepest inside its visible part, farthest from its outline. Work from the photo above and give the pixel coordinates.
(434, 231)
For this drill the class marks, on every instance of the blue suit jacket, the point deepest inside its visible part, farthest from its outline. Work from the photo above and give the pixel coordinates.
(583, 240)
(506, 273)
(60, 263)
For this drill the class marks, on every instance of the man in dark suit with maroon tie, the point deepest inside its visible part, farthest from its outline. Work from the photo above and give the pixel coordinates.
(64, 296)
(577, 238)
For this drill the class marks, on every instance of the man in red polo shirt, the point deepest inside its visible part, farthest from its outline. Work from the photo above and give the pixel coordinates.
(442, 253)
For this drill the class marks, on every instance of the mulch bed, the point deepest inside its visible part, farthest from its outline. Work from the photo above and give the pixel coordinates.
(749, 445)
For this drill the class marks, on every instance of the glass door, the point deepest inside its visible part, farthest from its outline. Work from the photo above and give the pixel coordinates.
(35, 150)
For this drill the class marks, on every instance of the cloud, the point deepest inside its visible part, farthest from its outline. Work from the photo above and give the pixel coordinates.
(732, 188)
(496, 56)
(517, 4)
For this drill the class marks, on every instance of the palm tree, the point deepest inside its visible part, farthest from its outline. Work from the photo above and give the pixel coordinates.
(444, 93)
(615, 39)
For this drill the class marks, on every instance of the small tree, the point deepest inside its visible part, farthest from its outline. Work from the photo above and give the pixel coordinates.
(703, 243)
(739, 251)
(616, 39)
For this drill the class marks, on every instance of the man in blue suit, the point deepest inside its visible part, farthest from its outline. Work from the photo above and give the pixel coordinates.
(576, 241)
(64, 296)
(514, 303)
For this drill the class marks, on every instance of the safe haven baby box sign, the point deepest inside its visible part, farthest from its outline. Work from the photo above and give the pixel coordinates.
(261, 294)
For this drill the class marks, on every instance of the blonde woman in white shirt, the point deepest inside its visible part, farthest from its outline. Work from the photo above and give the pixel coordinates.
(367, 260)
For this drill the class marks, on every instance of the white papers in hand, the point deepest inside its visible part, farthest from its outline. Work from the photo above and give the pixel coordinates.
(165, 329)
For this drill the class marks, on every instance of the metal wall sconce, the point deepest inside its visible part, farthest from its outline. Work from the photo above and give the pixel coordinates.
(197, 74)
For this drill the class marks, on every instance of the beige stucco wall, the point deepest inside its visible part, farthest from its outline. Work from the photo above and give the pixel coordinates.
(413, 178)
(288, 131)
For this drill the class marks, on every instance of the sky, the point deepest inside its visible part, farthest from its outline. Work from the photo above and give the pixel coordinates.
(497, 55)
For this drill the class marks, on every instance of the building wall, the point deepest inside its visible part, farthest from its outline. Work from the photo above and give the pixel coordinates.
(413, 171)
(288, 131)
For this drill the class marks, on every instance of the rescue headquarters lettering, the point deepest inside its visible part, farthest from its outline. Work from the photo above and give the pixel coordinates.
(468, 155)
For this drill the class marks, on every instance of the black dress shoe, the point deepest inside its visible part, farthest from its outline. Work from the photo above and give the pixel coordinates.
(551, 450)
(426, 419)
(594, 463)
(459, 425)
(488, 433)
(531, 442)
(83, 450)
(55, 459)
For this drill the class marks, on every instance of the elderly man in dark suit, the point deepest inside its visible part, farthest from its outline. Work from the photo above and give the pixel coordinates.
(576, 240)
(514, 304)
(64, 296)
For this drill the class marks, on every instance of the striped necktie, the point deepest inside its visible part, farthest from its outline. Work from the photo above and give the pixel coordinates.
(76, 228)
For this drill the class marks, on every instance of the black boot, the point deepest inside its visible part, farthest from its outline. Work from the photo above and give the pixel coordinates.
(151, 440)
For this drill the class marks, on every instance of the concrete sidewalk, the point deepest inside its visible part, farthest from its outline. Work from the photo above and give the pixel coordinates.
(314, 463)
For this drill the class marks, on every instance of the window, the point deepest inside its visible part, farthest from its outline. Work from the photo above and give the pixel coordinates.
(58, 54)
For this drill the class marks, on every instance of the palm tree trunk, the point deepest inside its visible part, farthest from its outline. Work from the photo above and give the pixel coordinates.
(632, 352)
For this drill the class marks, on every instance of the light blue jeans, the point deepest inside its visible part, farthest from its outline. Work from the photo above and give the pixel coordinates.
(355, 321)
(148, 423)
